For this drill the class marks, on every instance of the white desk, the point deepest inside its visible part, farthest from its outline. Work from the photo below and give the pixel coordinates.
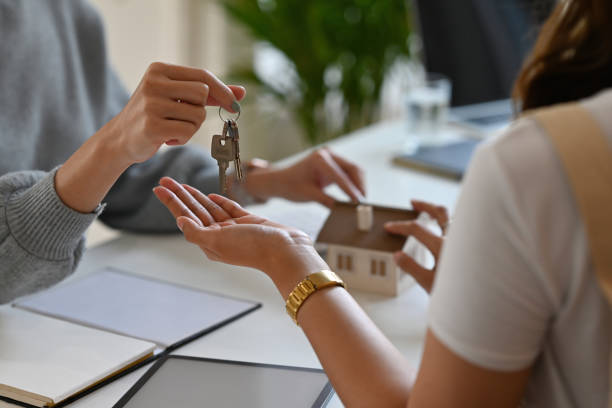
(268, 335)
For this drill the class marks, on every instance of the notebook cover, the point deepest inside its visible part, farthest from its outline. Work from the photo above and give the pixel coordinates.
(138, 307)
(44, 358)
(449, 160)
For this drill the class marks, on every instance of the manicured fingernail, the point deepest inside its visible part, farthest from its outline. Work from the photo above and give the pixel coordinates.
(236, 106)
(179, 224)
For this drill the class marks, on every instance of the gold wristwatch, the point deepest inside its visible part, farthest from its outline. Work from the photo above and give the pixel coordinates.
(307, 287)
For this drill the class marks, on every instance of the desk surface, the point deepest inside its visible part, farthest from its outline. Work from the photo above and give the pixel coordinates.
(268, 335)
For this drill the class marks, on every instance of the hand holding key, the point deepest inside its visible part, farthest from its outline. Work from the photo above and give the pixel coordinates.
(167, 107)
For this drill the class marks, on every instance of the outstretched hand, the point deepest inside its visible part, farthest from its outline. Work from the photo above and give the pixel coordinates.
(425, 277)
(228, 233)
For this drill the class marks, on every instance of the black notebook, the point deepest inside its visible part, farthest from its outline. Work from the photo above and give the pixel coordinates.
(449, 160)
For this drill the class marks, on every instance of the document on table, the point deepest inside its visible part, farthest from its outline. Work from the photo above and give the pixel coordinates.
(164, 313)
(44, 361)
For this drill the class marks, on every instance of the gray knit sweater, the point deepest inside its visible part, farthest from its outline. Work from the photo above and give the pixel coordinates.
(56, 90)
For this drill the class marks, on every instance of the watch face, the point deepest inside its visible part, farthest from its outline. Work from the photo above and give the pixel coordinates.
(325, 278)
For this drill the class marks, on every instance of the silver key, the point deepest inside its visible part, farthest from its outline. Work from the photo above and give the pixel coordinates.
(233, 133)
(222, 149)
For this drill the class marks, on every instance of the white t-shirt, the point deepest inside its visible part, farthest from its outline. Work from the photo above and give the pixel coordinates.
(515, 286)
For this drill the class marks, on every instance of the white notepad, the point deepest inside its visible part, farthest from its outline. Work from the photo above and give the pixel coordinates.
(135, 306)
(44, 361)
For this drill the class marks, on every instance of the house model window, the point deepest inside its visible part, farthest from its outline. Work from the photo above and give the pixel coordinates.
(361, 251)
(344, 262)
(378, 267)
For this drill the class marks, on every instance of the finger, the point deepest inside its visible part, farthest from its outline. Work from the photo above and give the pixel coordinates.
(192, 231)
(186, 112)
(192, 92)
(178, 131)
(218, 213)
(318, 195)
(337, 175)
(239, 93)
(203, 237)
(217, 89)
(231, 207)
(188, 199)
(255, 219)
(423, 276)
(437, 212)
(176, 207)
(354, 172)
(431, 241)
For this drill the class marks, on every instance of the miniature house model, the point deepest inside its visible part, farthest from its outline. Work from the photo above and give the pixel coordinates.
(359, 249)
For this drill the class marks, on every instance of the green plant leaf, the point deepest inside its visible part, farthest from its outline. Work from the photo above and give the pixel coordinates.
(360, 37)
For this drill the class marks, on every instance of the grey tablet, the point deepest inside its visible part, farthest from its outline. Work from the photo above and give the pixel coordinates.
(185, 382)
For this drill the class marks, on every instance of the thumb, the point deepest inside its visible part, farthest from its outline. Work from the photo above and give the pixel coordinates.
(189, 228)
(317, 194)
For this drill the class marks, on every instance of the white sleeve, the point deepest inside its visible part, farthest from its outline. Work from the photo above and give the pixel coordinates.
(489, 303)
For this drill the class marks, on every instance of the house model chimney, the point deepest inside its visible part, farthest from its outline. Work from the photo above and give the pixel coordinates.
(365, 217)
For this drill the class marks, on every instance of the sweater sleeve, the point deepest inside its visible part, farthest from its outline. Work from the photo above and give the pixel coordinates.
(41, 239)
(131, 204)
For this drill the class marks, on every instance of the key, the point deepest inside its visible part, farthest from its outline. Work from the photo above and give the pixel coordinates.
(222, 149)
(233, 133)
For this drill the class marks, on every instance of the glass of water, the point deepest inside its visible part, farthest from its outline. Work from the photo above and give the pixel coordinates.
(427, 104)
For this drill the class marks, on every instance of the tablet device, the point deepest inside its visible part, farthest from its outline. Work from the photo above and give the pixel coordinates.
(185, 382)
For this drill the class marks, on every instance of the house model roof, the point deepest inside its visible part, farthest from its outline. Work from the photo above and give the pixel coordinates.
(340, 228)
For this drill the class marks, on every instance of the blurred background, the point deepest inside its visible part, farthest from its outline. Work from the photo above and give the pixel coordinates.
(317, 69)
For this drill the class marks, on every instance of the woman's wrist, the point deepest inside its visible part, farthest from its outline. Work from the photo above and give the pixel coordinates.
(290, 269)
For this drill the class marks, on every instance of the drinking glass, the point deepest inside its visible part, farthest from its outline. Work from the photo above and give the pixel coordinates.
(427, 104)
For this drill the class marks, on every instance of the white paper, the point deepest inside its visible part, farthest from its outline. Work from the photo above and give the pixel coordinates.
(136, 306)
(56, 359)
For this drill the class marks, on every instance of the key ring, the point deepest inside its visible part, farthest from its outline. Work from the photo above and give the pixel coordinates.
(225, 120)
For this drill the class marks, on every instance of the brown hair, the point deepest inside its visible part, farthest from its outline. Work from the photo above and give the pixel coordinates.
(572, 57)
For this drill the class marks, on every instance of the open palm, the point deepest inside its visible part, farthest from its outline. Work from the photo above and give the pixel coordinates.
(228, 233)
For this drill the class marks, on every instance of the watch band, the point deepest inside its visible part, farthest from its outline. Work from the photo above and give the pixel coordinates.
(307, 287)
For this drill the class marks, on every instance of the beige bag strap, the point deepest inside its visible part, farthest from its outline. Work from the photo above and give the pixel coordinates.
(586, 156)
